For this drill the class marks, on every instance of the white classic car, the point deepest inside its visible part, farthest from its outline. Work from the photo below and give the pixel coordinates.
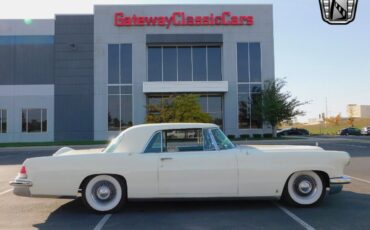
(182, 160)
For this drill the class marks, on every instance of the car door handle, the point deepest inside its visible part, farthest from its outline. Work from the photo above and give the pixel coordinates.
(166, 158)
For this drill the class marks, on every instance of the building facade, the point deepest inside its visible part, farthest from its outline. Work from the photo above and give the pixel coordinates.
(87, 77)
(359, 111)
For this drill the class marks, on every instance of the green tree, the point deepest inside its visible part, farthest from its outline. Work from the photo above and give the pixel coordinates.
(276, 106)
(180, 108)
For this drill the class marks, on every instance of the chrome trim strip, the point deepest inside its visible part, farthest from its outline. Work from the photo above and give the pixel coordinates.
(340, 180)
(21, 182)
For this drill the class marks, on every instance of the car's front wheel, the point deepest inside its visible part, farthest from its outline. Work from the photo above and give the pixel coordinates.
(104, 193)
(304, 188)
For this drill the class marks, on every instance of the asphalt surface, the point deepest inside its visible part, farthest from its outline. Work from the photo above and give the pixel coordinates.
(347, 210)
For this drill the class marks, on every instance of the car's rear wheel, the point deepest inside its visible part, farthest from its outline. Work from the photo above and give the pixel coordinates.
(104, 193)
(304, 188)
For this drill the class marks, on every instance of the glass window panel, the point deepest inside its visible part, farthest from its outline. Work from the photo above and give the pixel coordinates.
(126, 89)
(113, 64)
(113, 89)
(199, 64)
(256, 88)
(153, 104)
(256, 119)
(208, 145)
(255, 62)
(214, 104)
(184, 63)
(243, 62)
(217, 118)
(34, 120)
(221, 139)
(126, 111)
(154, 64)
(126, 63)
(169, 64)
(3, 121)
(113, 112)
(154, 100)
(243, 88)
(203, 103)
(24, 120)
(183, 140)
(155, 144)
(244, 115)
(214, 63)
(44, 120)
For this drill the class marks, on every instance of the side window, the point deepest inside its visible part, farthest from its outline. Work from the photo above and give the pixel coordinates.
(183, 140)
(208, 145)
(155, 144)
(221, 140)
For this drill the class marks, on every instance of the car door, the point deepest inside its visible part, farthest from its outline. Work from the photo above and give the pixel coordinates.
(259, 175)
(191, 166)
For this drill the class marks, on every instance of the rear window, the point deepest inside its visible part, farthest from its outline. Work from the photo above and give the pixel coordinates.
(183, 140)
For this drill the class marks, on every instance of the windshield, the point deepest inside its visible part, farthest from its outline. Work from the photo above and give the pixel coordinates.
(221, 140)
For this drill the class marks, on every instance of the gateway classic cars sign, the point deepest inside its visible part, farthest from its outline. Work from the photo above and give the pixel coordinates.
(226, 18)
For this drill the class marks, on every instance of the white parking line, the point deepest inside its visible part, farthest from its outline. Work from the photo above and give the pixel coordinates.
(5, 192)
(359, 179)
(296, 218)
(102, 222)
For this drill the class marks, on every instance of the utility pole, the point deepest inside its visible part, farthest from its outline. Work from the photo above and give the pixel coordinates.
(326, 113)
(326, 107)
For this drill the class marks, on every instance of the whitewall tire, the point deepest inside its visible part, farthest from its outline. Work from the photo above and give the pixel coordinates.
(104, 193)
(304, 188)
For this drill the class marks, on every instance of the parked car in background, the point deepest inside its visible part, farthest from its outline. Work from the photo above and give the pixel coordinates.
(365, 130)
(349, 131)
(183, 160)
(293, 132)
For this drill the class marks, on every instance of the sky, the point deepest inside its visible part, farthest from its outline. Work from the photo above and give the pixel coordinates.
(320, 62)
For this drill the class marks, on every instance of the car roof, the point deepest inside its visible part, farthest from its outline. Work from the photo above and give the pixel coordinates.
(135, 138)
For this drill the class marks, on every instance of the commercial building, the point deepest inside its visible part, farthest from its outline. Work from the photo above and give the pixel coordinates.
(86, 77)
(359, 111)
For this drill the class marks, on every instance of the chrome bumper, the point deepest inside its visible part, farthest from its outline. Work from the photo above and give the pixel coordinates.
(21, 187)
(336, 184)
(340, 180)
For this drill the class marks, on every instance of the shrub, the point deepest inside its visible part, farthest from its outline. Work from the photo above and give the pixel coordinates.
(231, 136)
(267, 135)
(244, 136)
(257, 135)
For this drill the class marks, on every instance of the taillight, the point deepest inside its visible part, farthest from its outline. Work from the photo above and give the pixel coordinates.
(23, 172)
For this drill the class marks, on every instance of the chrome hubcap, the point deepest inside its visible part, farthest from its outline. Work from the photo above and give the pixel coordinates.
(305, 187)
(103, 192)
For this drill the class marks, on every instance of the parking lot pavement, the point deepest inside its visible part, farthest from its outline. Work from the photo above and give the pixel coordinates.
(347, 210)
(202, 215)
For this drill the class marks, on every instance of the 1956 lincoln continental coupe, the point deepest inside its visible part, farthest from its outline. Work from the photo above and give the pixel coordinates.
(183, 160)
